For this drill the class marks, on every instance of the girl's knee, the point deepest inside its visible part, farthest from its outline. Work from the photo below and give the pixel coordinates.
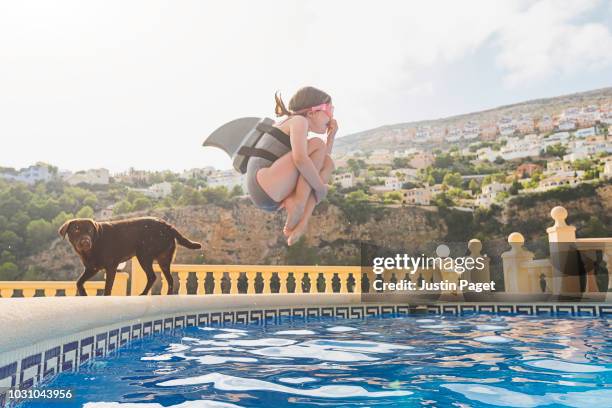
(315, 143)
(329, 163)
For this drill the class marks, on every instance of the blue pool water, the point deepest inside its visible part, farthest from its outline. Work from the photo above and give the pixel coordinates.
(393, 361)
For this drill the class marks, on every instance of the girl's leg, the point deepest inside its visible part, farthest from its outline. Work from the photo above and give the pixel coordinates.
(279, 180)
(300, 228)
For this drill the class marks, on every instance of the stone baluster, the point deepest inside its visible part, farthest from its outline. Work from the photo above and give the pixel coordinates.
(563, 255)
(183, 276)
(515, 274)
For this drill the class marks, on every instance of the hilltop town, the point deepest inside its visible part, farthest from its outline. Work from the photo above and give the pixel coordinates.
(482, 159)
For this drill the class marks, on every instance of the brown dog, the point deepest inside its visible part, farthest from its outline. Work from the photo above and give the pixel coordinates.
(104, 245)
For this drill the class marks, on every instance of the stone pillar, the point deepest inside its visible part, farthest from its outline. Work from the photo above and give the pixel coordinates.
(564, 257)
(515, 274)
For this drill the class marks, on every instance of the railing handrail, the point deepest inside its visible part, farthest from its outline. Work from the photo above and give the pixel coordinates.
(259, 268)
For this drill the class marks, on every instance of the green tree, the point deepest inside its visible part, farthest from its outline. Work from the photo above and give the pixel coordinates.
(452, 179)
(38, 233)
(556, 150)
(85, 212)
(122, 207)
(9, 271)
(141, 203)
(237, 191)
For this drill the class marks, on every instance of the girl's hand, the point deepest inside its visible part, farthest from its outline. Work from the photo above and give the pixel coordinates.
(332, 128)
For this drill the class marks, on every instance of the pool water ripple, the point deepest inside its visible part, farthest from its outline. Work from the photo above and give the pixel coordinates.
(475, 360)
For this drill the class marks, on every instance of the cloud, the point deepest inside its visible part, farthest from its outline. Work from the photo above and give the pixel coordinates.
(123, 77)
(548, 41)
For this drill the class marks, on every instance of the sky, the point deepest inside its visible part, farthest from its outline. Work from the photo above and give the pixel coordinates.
(120, 84)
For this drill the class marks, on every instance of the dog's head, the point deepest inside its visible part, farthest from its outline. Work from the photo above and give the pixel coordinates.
(82, 233)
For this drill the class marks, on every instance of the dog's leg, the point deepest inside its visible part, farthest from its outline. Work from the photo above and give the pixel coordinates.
(147, 266)
(85, 276)
(110, 279)
(164, 261)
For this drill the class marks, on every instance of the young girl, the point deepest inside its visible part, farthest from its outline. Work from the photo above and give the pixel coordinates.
(297, 180)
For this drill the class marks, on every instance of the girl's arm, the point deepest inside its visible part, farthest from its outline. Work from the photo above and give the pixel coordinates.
(298, 131)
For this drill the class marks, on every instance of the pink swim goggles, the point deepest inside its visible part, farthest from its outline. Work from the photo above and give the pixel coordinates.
(328, 108)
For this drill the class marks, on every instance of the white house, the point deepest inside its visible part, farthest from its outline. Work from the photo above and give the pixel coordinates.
(607, 173)
(454, 134)
(545, 124)
(559, 137)
(30, 175)
(226, 178)
(159, 190)
(507, 126)
(392, 183)
(590, 131)
(197, 173)
(419, 196)
(423, 134)
(92, 176)
(346, 180)
(559, 168)
(489, 192)
(557, 181)
(486, 153)
(567, 124)
(529, 146)
(471, 130)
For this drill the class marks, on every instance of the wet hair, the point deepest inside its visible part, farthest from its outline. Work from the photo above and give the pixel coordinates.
(304, 98)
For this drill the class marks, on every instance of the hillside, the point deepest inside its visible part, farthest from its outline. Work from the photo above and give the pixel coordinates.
(395, 136)
(241, 234)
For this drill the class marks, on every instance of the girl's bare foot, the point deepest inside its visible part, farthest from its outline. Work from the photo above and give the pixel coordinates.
(297, 232)
(295, 211)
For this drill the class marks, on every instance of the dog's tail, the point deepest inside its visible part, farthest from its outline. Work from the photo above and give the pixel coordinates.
(184, 241)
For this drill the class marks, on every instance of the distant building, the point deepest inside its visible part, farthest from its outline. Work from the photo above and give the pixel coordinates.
(557, 181)
(93, 176)
(226, 178)
(200, 173)
(585, 132)
(525, 124)
(489, 193)
(422, 160)
(159, 190)
(29, 175)
(607, 173)
(454, 134)
(132, 176)
(567, 124)
(545, 124)
(471, 130)
(423, 134)
(380, 156)
(419, 196)
(346, 180)
(507, 126)
(527, 169)
(107, 212)
(529, 146)
(393, 183)
(489, 131)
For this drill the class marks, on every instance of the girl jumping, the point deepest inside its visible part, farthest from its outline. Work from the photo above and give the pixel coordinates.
(297, 180)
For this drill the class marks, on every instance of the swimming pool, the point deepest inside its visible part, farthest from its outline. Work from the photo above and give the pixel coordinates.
(476, 360)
